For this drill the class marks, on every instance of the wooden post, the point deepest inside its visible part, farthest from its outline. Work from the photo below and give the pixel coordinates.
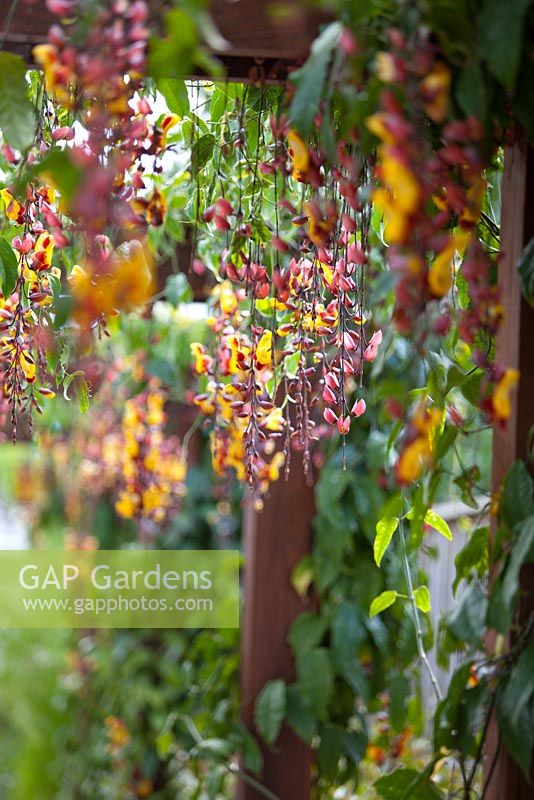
(515, 349)
(275, 541)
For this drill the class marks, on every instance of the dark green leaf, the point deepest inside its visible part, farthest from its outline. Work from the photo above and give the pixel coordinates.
(468, 621)
(407, 783)
(466, 482)
(526, 271)
(330, 750)
(517, 496)
(270, 710)
(310, 79)
(9, 268)
(471, 91)
(251, 752)
(202, 152)
(500, 27)
(298, 715)
(473, 557)
(399, 690)
(306, 632)
(459, 714)
(348, 633)
(315, 680)
(517, 733)
(523, 100)
(355, 744)
(520, 686)
(503, 595)
(17, 116)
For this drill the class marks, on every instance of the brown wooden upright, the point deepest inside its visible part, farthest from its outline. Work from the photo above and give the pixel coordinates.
(515, 348)
(275, 541)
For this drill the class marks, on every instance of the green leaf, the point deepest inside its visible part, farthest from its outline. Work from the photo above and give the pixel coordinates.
(517, 733)
(164, 742)
(174, 91)
(348, 633)
(83, 394)
(526, 271)
(459, 714)
(17, 116)
(471, 91)
(422, 599)
(399, 691)
(355, 744)
(270, 710)
(523, 101)
(500, 27)
(298, 715)
(315, 680)
(58, 169)
(306, 632)
(466, 482)
(385, 528)
(516, 502)
(202, 152)
(330, 750)
(468, 622)
(473, 557)
(173, 55)
(302, 576)
(416, 515)
(407, 784)
(520, 686)
(9, 268)
(504, 592)
(214, 747)
(178, 289)
(383, 601)
(252, 755)
(438, 523)
(310, 79)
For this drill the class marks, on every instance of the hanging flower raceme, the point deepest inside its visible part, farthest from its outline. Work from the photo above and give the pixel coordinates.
(431, 201)
(417, 446)
(152, 469)
(26, 316)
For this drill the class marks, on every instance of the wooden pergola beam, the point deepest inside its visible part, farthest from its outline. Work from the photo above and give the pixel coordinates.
(254, 36)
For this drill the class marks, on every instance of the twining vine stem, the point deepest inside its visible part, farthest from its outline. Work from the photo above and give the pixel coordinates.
(416, 618)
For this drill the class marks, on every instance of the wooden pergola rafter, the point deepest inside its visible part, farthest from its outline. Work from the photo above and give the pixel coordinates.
(281, 535)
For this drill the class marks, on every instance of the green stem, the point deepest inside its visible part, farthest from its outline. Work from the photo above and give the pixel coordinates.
(244, 776)
(415, 611)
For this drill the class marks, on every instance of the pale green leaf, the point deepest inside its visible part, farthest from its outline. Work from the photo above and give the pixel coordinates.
(422, 599)
(438, 523)
(383, 601)
(385, 528)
